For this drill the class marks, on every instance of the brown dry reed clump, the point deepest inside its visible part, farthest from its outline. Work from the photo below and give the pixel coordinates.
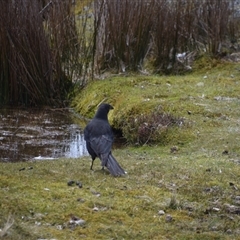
(40, 51)
(130, 32)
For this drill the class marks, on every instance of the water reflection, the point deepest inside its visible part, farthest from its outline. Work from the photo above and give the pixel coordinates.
(76, 146)
(39, 134)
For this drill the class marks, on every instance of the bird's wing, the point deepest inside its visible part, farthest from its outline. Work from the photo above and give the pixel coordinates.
(101, 145)
(98, 128)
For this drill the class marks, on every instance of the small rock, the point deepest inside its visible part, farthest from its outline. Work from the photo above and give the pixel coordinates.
(174, 149)
(95, 193)
(229, 231)
(37, 223)
(95, 209)
(59, 227)
(79, 184)
(214, 228)
(225, 152)
(70, 183)
(75, 221)
(161, 212)
(237, 198)
(216, 209)
(169, 218)
(208, 189)
(231, 208)
(79, 222)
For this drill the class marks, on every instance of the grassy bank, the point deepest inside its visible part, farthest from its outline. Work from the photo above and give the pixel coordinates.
(186, 187)
(190, 99)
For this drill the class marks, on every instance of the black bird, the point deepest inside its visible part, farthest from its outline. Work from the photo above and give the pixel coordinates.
(99, 139)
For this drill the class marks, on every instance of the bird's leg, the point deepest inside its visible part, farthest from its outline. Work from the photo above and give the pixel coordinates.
(91, 168)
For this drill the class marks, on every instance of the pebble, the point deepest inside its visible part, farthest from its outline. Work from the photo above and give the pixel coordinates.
(161, 212)
(38, 223)
(214, 228)
(79, 222)
(70, 183)
(75, 221)
(237, 198)
(79, 184)
(169, 218)
(216, 209)
(59, 227)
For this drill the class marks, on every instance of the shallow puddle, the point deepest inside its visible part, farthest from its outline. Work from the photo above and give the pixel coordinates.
(39, 134)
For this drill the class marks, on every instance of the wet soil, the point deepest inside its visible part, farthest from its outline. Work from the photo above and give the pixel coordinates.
(39, 134)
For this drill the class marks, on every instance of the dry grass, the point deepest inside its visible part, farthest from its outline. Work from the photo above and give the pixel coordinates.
(131, 35)
(7, 226)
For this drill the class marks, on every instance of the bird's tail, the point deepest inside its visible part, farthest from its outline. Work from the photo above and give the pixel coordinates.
(113, 166)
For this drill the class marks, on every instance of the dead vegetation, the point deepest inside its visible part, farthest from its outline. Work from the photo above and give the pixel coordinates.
(47, 48)
(42, 53)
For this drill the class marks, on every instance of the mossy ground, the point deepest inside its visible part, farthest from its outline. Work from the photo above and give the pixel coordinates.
(194, 177)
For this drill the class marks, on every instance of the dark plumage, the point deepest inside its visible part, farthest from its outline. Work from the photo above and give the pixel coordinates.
(99, 139)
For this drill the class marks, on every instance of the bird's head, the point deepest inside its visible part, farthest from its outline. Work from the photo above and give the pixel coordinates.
(105, 106)
(103, 110)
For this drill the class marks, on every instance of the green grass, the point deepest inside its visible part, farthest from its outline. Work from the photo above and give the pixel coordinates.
(194, 184)
(187, 185)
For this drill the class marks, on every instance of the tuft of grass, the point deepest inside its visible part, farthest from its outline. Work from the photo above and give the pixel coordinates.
(7, 226)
